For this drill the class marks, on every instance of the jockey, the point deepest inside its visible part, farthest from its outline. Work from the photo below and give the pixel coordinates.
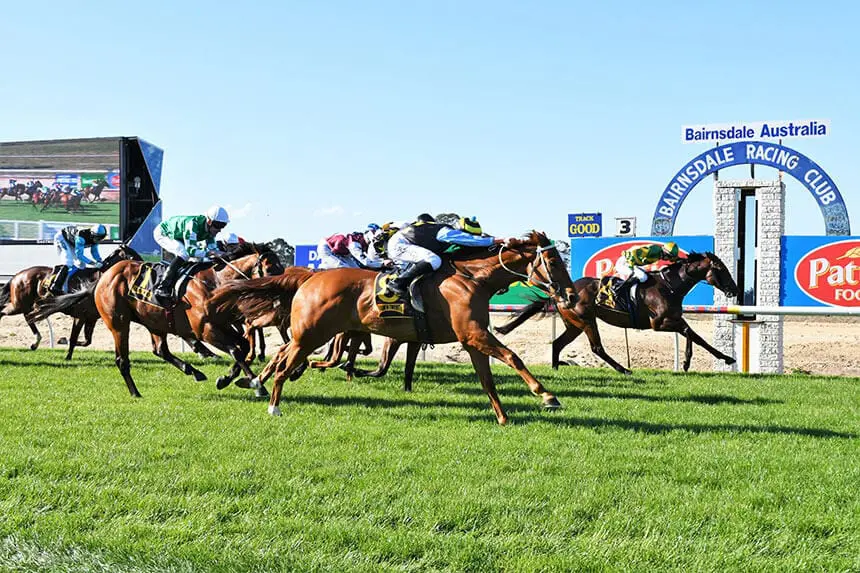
(71, 242)
(348, 251)
(419, 245)
(378, 246)
(230, 240)
(629, 264)
(182, 236)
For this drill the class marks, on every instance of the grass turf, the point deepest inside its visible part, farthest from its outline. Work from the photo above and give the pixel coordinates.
(657, 471)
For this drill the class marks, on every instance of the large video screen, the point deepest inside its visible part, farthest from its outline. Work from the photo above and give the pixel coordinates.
(47, 185)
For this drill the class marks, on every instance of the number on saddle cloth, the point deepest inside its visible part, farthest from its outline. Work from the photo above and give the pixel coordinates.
(388, 303)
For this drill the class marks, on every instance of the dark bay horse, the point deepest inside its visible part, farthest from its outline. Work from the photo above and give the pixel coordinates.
(25, 291)
(660, 303)
(457, 300)
(189, 318)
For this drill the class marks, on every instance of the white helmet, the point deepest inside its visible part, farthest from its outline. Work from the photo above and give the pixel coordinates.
(217, 214)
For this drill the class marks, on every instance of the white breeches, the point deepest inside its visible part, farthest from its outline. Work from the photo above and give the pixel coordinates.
(623, 270)
(401, 250)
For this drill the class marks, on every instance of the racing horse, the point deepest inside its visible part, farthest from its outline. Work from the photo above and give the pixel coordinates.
(456, 299)
(21, 189)
(189, 318)
(267, 302)
(25, 291)
(660, 300)
(94, 191)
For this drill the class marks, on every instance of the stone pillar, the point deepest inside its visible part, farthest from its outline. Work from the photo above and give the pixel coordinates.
(771, 228)
(770, 199)
(725, 247)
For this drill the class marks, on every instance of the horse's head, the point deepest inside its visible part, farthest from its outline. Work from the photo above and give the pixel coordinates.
(713, 271)
(254, 260)
(122, 253)
(546, 270)
(269, 263)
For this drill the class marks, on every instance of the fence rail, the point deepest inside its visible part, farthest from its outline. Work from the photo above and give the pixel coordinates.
(775, 310)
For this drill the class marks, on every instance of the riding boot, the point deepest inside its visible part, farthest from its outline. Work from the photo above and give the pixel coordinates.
(164, 291)
(401, 283)
(624, 284)
(61, 282)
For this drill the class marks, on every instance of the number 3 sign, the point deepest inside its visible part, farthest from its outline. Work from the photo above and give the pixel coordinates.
(625, 226)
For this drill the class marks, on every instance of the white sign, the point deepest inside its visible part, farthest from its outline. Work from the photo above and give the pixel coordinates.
(625, 226)
(731, 132)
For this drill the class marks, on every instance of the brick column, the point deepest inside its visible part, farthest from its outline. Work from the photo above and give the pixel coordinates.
(770, 199)
(771, 228)
(725, 241)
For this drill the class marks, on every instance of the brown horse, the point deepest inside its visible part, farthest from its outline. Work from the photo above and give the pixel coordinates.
(267, 302)
(189, 318)
(457, 300)
(25, 291)
(660, 300)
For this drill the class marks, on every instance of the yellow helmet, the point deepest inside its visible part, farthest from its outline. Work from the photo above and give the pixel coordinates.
(471, 226)
(670, 248)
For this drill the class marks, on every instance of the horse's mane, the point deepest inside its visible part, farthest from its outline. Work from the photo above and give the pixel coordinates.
(255, 297)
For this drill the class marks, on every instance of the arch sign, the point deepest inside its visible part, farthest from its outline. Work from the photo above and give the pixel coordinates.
(806, 171)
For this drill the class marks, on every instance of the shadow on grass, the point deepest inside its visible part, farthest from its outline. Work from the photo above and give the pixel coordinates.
(526, 416)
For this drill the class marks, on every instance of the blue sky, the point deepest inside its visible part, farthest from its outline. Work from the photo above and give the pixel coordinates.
(309, 118)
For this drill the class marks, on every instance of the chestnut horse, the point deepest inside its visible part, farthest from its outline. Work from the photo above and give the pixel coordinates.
(456, 297)
(266, 302)
(24, 292)
(189, 318)
(660, 307)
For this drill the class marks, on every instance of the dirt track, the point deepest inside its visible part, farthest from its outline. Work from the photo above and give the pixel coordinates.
(820, 346)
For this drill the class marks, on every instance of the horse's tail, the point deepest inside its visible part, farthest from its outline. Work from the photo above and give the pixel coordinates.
(5, 294)
(522, 316)
(257, 297)
(62, 303)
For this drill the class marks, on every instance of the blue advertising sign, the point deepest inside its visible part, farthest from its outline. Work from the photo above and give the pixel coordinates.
(70, 179)
(820, 271)
(806, 171)
(306, 256)
(585, 225)
(597, 257)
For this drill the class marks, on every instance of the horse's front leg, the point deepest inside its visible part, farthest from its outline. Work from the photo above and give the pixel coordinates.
(680, 325)
(479, 338)
(590, 330)
(691, 335)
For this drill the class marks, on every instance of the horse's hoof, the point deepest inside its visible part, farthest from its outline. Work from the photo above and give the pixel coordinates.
(199, 376)
(627, 372)
(244, 383)
(222, 382)
(551, 403)
(729, 360)
(261, 392)
(274, 411)
(34, 346)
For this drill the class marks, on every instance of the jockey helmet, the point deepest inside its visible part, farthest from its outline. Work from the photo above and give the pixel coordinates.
(98, 232)
(670, 248)
(425, 218)
(373, 227)
(218, 214)
(232, 239)
(471, 226)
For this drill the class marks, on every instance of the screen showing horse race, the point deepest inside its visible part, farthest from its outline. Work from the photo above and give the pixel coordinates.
(47, 185)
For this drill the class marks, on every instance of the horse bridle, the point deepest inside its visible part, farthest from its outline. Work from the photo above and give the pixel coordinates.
(552, 287)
